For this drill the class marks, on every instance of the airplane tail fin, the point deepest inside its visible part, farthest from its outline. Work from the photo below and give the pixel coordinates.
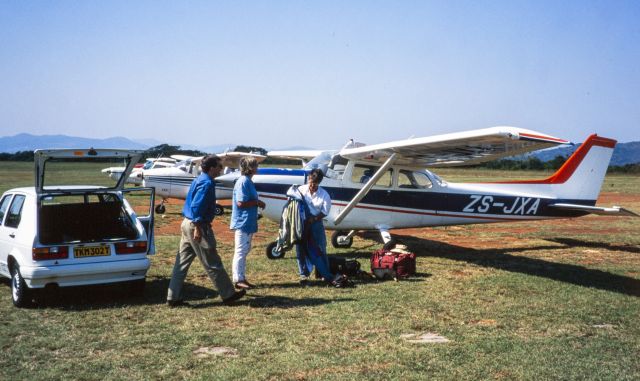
(582, 175)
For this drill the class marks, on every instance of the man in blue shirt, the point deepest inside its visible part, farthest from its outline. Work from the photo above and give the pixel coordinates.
(198, 239)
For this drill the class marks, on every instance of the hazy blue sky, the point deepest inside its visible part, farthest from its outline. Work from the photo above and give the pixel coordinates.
(285, 73)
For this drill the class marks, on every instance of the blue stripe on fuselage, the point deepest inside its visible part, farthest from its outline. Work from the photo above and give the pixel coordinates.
(281, 172)
(476, 204)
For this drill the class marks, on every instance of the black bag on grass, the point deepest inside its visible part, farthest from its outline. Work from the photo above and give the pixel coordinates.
(342, 265)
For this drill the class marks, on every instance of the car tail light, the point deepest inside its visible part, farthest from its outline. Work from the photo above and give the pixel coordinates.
(52, 252)
(131, 247)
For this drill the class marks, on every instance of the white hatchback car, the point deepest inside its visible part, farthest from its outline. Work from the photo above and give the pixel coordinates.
(58, 234)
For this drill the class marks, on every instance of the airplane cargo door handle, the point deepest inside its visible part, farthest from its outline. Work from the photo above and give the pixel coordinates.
(12, 235)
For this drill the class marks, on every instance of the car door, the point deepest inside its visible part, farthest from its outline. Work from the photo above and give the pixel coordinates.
(142, 201)
(5, 239)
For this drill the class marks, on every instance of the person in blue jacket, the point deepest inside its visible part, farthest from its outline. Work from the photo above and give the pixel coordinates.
(244, 219)
(197, 238)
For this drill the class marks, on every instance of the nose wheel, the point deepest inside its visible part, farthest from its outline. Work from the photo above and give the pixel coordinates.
(272, 253)
(219, 210)
(341, 239)
(160, 208)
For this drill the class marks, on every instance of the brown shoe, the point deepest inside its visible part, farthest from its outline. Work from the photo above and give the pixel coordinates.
(236, 295)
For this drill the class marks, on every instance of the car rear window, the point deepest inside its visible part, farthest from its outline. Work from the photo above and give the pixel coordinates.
(15, 211)
(4, 204)
(79, 172)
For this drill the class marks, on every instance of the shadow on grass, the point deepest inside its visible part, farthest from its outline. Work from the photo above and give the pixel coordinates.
(111, 296)
(501, 259)
(118, 295)
(599, 245)
(283, 302)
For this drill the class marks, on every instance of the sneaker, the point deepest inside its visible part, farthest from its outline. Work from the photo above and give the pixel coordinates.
(304, 280)
(177, 303)
(236, 295)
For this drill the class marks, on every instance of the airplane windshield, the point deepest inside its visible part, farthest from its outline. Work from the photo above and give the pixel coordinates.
(437, 178)
(321, 161)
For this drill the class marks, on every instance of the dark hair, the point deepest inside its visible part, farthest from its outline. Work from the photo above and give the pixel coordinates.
(208, 162)
(316, 175)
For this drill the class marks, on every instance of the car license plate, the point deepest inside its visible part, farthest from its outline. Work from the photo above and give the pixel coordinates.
(91, 251)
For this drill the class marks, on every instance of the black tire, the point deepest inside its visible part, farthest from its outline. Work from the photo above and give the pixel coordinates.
(272, 253)
(136, 287)
(21, 295)
(337, 239)
(160, 209)
(219, 210)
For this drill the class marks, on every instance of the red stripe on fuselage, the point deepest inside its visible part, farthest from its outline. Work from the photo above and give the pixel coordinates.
(569, 167)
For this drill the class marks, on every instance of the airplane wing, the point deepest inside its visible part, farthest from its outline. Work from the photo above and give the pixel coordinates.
(181, 157)
(304, 155)
(456, 149)
(232, 159)
(613, 211)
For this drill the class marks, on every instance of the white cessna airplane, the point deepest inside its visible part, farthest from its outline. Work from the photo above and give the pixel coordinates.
(385, 186)
(174, 182)
(136, 173)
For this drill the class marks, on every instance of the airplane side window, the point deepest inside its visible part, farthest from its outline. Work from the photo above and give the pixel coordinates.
(4, 204)
(405, 180)
(363, 173)
(338, 163)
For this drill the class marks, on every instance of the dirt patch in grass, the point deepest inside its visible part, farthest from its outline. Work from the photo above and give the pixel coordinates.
(169, 222)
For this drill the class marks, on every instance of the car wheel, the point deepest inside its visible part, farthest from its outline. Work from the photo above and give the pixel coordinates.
(272, 253)
(219, 210)
(160, 209)
(340, 239)
(21, 295)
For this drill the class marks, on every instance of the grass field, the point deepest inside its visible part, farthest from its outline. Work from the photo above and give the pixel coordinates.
(520, 301)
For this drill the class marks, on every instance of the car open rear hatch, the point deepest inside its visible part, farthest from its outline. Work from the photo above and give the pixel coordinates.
(61, 169)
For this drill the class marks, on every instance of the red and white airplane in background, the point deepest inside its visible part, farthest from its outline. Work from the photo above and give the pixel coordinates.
(174, 181)
(386, 186)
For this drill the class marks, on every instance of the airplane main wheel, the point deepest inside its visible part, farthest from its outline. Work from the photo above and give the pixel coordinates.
(272, 253)
(160, 209)
(340, 239)
(219, 210)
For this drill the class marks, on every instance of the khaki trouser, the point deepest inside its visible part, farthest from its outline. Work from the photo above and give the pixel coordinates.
(206, 251)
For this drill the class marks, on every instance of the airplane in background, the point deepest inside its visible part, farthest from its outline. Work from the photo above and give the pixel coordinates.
(303, 155)
(136, 174)
(174, 181)
(386, 186)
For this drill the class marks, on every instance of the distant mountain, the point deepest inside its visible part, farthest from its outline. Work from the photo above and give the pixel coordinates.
(624, 153)
(28, 142)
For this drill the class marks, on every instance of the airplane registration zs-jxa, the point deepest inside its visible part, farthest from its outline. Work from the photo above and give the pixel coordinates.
(174, 181)
(386, 186)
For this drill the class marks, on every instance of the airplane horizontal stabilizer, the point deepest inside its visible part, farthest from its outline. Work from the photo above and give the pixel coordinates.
(613, 211)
